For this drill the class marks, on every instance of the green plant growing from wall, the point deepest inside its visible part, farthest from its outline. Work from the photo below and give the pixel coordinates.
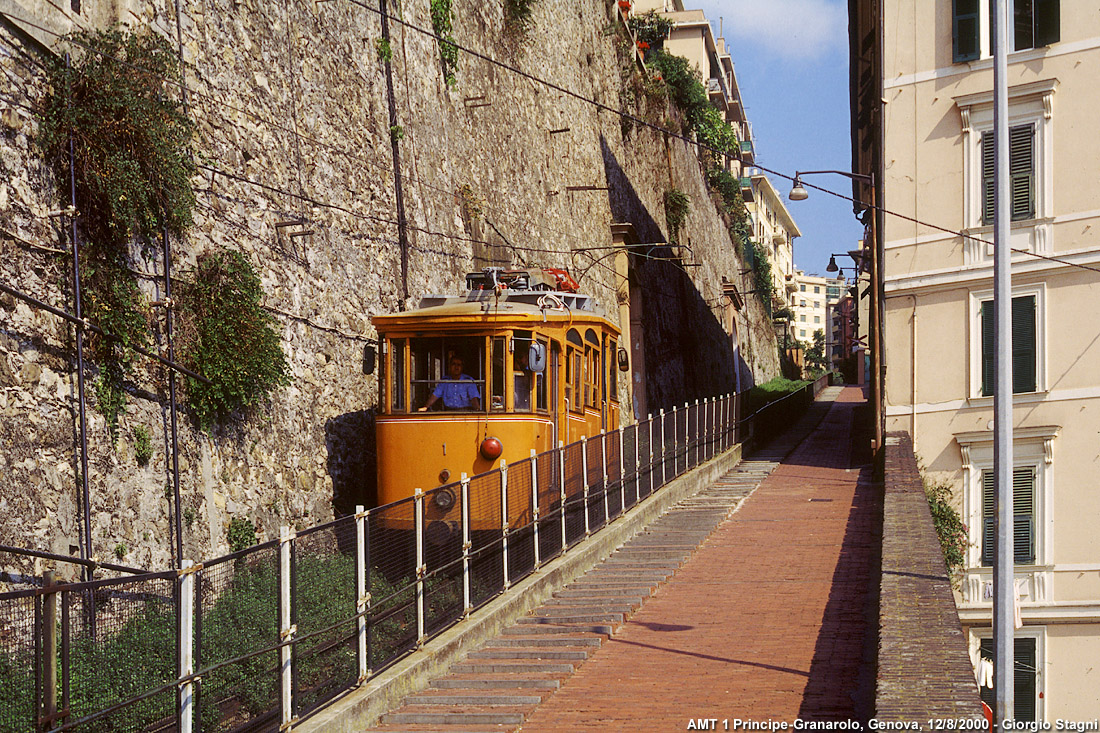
(241, 534)
(118, 106)
(949, 527)
(651, 31)
(227, 337)
(448, 52)
(143, 447)
(762, 284)
(120, 550)
(517, 13)
(677, 204)
(385, 51)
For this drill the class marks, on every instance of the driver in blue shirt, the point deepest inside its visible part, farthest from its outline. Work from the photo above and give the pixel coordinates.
(458, 392)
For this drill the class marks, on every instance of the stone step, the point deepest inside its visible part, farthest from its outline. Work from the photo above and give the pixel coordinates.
(498, 666)
(571, 655)
(560, 611)
(615, 602)
(601, 591)
(555, 626)
(469, 681)
(580, 618)
(436, 697)
(545, 640)
(425, 715)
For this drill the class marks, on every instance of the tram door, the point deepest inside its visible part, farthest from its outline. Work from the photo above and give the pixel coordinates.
(555, 377)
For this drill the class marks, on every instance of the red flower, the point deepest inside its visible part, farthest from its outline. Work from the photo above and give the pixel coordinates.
(643, 45)
(624, 5)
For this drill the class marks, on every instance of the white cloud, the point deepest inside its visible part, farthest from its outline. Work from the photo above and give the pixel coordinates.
(799, 29)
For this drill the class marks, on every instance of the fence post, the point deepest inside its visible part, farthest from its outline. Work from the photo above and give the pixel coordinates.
(637, 464)
(362, 593)
(186, 639)
(696, 430)
(421, 569)
(286, 629)
(535, 504)
(561, 487)
(622, 475)
(675, 440)
(708, 418)
(584, 477)
(504, 520)
(661, 413)
(49, 652)
(603, 464)
(464, 497)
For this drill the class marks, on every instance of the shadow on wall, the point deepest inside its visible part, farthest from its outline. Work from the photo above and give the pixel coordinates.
(688, 354)
(352, 464)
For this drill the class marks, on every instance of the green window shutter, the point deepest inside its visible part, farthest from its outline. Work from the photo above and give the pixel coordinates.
(987, 178)
(1021, 170)
(1023, 510)
(964, 27)
(1046, 22)
(1025, 660)
(1023, 344)
(989, 517)
(988, 355)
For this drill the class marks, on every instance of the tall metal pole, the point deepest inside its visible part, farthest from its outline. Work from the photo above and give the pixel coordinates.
(1003, 617)
(78, 308)
(172, 400)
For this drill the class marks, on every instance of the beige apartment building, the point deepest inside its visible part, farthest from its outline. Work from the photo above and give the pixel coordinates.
(923, 112)
(774, 232)
(812, 302)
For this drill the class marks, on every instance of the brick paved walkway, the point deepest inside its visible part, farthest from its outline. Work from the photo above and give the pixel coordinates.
(768, 620)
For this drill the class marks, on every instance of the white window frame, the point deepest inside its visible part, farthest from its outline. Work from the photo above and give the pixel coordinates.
(1032, 447)
(1039, 633)
(985, 22)
(977, 297)
(1028, 104)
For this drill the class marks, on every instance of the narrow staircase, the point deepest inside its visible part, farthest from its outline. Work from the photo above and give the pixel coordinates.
(497, 685)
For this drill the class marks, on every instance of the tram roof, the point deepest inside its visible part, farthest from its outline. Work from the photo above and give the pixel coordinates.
(478, 306)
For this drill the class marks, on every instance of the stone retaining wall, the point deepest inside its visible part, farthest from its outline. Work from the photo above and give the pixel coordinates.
(293, 96)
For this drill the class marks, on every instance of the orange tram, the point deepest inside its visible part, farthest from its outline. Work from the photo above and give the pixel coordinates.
(522, 361)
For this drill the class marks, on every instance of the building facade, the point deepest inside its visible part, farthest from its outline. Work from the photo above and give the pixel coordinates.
(923, 119)
(812, 304)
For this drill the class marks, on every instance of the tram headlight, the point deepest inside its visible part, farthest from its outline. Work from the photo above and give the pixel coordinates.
(491, 448)
(443, 499)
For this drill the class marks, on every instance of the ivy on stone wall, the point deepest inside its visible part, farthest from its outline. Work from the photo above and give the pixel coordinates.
(517, 13)
(116, 103)
(677, 204)
(130, 138)
(227, 337)
(448, 52)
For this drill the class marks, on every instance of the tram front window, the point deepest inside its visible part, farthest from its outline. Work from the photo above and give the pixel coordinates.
(448, 373)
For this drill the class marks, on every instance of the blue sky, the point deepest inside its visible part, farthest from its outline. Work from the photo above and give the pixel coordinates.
(791, 58)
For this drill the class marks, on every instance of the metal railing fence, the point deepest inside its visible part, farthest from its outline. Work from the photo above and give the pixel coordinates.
(263, 636)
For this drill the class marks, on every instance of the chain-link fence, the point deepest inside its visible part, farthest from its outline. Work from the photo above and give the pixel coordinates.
(275, 631)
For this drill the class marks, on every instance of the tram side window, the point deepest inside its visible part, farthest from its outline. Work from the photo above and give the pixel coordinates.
(448, 373)
(592, 373)
(497, 402)
(540, 383)
(574, 371)
(397, 376)
(521, 371)
(611, 362)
